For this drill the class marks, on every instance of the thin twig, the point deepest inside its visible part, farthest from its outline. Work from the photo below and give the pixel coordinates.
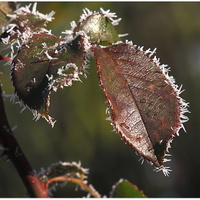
(78, 181)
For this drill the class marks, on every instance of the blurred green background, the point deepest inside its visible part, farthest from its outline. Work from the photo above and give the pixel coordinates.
(81, 132)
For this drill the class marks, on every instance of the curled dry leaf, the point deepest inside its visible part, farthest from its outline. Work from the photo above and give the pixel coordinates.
(146, 109)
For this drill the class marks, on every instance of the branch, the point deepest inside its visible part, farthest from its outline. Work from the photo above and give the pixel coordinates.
(12, 149)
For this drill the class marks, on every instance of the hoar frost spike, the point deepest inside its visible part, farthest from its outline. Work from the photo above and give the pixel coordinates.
(146, 108)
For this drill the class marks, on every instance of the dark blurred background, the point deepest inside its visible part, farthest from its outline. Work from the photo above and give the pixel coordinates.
(81, 132)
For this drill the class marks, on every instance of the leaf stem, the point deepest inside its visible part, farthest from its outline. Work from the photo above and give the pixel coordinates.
(78, 181)
(4, 58)
(12, 149)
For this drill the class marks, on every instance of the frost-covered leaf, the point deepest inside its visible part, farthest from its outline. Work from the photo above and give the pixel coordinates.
(125, 189)
(24, 23)
(43, 64)
(5, 9)
(71, 61)
(145, 105)
(30, 70)
(98, 26)
(62, 169)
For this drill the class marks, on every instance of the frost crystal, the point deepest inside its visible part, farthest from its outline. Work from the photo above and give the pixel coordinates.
(49, 57)
(86, 13)
(123, 35)
(110, 15)
(73, 25)
(165, 170)
(26, 9)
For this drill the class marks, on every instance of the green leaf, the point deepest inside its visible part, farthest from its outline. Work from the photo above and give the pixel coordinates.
(125, 189)
(99, 28)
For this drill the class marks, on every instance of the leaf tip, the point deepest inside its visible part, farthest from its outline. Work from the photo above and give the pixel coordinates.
(38, 113)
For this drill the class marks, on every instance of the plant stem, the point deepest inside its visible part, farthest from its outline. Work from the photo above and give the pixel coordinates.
(78, 181)
(12, 149)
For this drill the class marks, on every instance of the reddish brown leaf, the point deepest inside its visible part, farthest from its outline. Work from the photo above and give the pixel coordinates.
(145, 107)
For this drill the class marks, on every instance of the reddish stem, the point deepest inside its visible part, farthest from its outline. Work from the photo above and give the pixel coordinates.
(78, 181)
(34, 186)
(4, 58)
